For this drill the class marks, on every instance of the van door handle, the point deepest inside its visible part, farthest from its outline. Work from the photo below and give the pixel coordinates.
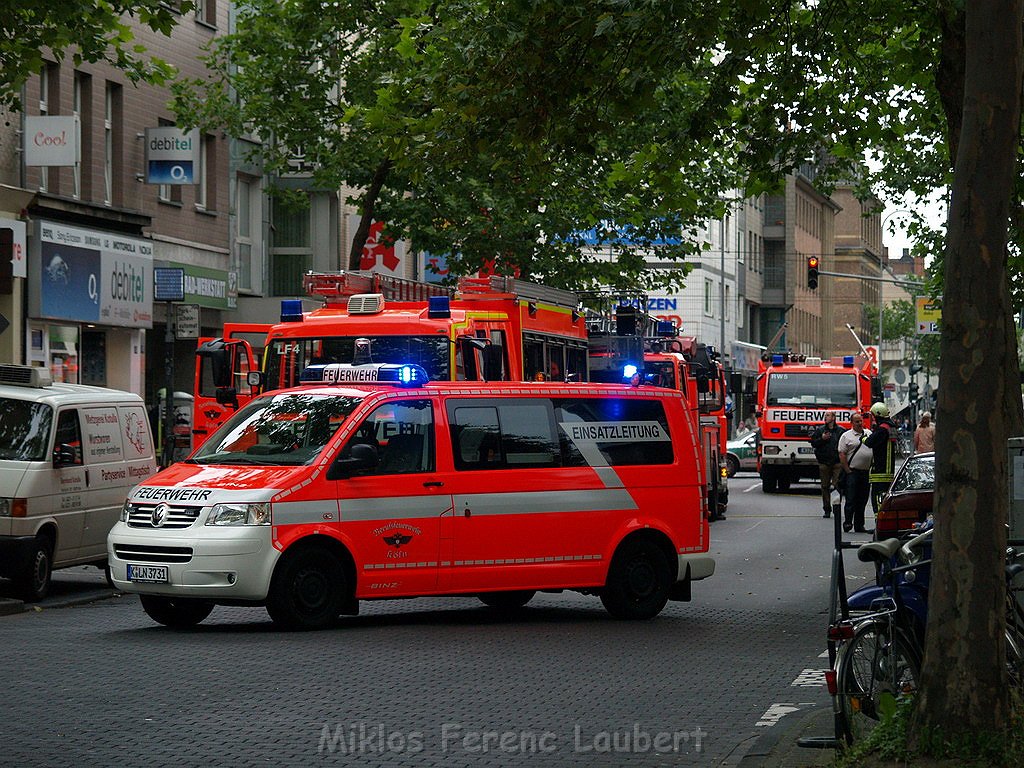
(87, 478)
(432, 484)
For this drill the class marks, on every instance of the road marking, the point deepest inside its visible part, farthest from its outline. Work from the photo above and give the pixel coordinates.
(774, 713)
(810, 678)
(754, 526)
(749, 489)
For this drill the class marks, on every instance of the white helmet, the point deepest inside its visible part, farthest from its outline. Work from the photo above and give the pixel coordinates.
(881, 410)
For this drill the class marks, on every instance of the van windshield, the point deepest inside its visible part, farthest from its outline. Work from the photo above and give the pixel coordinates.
(287, 429)
(24, 430)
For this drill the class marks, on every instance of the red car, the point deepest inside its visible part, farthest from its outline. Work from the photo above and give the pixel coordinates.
(910, 497)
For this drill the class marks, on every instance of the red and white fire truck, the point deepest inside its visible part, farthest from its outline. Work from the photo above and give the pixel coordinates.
(488, 329)
(623, 335)
(793, 395)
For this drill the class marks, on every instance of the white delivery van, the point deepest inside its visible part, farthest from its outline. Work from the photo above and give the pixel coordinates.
(69, 454)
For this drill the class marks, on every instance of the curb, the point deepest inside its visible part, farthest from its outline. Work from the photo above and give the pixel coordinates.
(9, 606)
(777, 747)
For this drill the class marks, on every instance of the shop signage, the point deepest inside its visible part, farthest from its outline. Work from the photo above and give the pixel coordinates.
(172, 155)
(212, 288)
(51, 140)
(18, 246)
(92, 276)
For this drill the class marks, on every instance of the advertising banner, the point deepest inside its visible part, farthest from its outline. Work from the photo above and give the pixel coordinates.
(93, 276)
(172, 155)
(51, 140)
(18, 246)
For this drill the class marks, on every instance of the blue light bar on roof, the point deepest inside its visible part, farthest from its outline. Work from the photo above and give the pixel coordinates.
(291, 310)
(848, 361)
(777, 359)
(666, 328)
(439, 306)
(403, 375)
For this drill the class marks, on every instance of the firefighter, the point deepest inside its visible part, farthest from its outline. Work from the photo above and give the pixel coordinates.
(882, 442)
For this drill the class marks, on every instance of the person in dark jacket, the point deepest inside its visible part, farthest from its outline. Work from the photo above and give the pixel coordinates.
(882, 442)
(825, 441)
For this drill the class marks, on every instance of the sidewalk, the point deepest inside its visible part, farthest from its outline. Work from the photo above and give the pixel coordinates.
(778, 748)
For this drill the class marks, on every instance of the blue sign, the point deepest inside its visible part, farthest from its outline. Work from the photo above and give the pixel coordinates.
(610, 234)
(170, 172)
(70, 282)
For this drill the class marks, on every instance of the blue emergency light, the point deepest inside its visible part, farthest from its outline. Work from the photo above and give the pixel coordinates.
(291, 310)
(629, 371)
(404, 375)
(666, 328)
(439, 307)
(848, 361)
(777, 359)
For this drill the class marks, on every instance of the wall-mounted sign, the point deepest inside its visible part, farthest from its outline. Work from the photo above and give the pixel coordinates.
(172, 155)
(89, 275)
(186, 321)
(51, 140)
(18, 246)
(929, 314)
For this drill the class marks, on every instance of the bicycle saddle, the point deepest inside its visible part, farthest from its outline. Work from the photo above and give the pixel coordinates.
(881, 551)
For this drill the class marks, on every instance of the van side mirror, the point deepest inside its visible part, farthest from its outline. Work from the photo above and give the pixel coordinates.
(65, 455)
(227, 396)
(361, 456)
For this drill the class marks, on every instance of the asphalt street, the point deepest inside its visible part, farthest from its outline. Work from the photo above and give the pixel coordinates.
(441, 682)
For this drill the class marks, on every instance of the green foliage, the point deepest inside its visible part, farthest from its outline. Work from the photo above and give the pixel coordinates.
(85, 30)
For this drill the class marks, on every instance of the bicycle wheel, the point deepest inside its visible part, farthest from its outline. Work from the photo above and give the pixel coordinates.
(879, 660)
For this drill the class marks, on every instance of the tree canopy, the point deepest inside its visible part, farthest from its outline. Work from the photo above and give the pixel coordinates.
(87, 30)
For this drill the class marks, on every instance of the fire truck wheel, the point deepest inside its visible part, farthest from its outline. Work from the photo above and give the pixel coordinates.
(732, 465)
(768, 483)
(176, 612)
(308, 589)
(639, 581)
(507, 601)
(784, 484)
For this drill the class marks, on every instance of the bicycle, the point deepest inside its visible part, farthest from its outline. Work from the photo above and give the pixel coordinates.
(881, 651)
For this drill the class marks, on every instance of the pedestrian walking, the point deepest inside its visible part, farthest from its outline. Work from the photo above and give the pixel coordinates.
(924, 435)
(825, 441)
(855, 459)
(883, 444)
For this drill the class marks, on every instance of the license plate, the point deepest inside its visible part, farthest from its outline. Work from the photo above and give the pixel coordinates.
(152, 574)
(804, 450)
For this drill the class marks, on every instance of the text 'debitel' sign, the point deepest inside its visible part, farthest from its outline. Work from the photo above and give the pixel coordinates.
(172, 155)
(929, 314)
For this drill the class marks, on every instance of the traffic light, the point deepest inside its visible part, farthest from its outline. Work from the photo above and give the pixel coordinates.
(915, 368)
(812, 272)
(913, 392)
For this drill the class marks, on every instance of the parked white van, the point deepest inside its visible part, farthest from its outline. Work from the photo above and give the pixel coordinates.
(69, 454)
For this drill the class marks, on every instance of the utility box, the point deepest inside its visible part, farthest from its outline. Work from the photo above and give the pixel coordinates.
(1015, 456)
(1015, 450)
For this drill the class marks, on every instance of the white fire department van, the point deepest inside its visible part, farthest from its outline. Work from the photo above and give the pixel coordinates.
(371, 482)
(68, 455)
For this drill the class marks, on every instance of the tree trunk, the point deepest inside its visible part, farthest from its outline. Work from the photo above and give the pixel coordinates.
(964, 683)
(366, 213)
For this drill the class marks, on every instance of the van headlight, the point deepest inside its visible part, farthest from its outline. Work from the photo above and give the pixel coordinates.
(126, 510)
(239, 514)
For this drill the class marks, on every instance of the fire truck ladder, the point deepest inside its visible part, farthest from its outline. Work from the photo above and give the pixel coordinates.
(334, 286)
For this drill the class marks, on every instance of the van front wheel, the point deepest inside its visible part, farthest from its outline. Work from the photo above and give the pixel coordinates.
(639, 581)
(33, 582)
(308, 589)
(176, 612)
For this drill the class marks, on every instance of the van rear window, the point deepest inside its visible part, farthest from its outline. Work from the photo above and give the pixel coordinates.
(530, 433)
(24, 430)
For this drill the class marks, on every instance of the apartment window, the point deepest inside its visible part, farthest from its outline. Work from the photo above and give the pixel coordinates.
(206, 176)
(292, 250)
(709, 298)
(112, 141)
(728, 298)
(168, 193)
(206, 12)
(245, 189)
(48, 96)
